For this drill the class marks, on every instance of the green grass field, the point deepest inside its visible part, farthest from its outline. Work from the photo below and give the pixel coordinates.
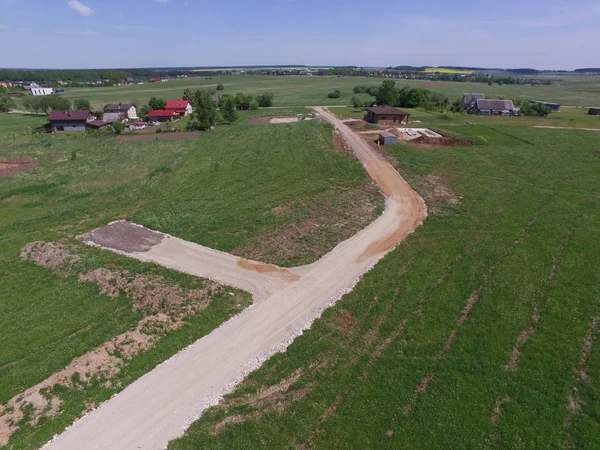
(313, 90)
(419, 354)
(217, 190)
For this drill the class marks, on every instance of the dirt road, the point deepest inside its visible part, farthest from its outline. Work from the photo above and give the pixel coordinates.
(163, 403)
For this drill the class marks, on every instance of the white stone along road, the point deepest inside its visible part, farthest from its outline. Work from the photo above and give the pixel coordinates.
(160, 406)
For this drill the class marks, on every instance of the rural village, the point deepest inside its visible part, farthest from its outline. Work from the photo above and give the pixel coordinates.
(387, 255)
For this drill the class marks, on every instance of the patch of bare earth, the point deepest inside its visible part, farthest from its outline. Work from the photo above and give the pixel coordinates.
(15, 165)
(497, 412)
(166, 307)
(271, 399)
(276, 119)
(424, 142)
(419, 390)
(440, 198)
(312, 227)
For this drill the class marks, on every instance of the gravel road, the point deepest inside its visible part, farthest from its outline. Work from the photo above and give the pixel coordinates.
(160, 406)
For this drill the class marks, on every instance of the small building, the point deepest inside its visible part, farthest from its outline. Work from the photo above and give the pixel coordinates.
(594, 111)
(386, 138)
(71, 121)
(38, 90)
(162, 115)
(555, 107)
(496, 107)
(154, 80)
(114, 117)
(386, 114)
(127, 109)
(469, 101)
(96, 124)
(181, 107)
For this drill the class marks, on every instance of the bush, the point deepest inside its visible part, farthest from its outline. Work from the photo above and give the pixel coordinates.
(373, 90)
(82, 104)
(444, 117)
(265, 100)
(118, 127)
(334, 94)
(360, 89)
(254, 105)
(159, 130)
(475, 140)
(220, 87)
(357, 102)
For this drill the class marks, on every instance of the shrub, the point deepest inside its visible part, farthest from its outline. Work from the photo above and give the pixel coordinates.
(118, 127)
(475, 140)
(357, 102)
(159, 130)
(360, 89)
(220, 87)
(334, 94)
(265, 100)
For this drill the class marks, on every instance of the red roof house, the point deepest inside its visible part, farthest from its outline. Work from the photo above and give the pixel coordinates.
(162, 115)
(182, 107)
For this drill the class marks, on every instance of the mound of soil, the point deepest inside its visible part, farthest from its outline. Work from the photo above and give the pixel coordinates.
(428, 142)
(16, 165)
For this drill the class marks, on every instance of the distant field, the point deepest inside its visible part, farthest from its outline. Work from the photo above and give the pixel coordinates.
(313, 90)
(445, 70)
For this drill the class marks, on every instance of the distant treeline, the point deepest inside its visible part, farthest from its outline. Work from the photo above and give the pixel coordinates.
(77, 76)
(588, 70)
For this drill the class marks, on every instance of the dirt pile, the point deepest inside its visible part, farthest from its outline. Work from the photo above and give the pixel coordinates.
(49, 255)
(445, 141)
(16, 165)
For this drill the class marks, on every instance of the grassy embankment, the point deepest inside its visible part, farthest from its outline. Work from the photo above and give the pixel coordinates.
(218, 190)
(479, 331)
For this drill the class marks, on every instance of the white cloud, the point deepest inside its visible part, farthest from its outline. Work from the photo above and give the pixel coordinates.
(3, 26)
(162, 1)
(80, 8)
(77, 32)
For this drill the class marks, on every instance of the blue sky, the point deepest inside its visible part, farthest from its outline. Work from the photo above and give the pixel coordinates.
(148, 33)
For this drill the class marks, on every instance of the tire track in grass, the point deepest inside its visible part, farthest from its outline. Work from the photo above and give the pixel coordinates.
(574, 403)
(422, 387)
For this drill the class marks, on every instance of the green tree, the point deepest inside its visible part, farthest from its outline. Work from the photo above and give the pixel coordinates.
(205, 112)
(334, 94)
(239, 99)
(145, 109)
(254, 105)
(156, 103)
(118, 127)
(188, 94)
(229, 111)
(82, 104)
(114, 79)
(220, 87)
(444, 104)
(6, 103)
(388, 93)
(265, 100)
(357, 102)
(99, 114)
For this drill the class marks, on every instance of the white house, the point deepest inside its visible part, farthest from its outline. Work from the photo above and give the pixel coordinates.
(122, 109)
(36, 89)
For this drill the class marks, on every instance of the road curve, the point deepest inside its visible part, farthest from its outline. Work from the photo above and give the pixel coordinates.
(160, 406)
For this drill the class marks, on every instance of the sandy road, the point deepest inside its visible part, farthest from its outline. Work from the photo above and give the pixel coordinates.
(163, 403)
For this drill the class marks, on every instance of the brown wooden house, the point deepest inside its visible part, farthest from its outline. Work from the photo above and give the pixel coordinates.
(386, 114)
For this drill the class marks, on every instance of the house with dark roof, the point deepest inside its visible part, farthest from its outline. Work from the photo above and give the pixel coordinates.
(496, 107)
(181, 107)
(469, 101)
(594, 111)
(96, 124)
(162, 115)
(386, 114)
(72, 121)
(126, 109)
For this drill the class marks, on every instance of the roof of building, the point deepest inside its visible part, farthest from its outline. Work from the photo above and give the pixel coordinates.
(113, 117)
(96, 123)
(388, 110)
(75, 115)
(495, 105)
(387, 134)
(118, 106)
(177, 104)
(161, 113)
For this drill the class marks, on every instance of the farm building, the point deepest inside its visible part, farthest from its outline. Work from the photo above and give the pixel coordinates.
(122, 108)
(385, 113)
(162, 115)
(386, 138)
(74, 121)
(469, 101)
(594, 111)
(96, 124)
(553, 106)
(181, 107)
(496, 107)
(38, 90)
